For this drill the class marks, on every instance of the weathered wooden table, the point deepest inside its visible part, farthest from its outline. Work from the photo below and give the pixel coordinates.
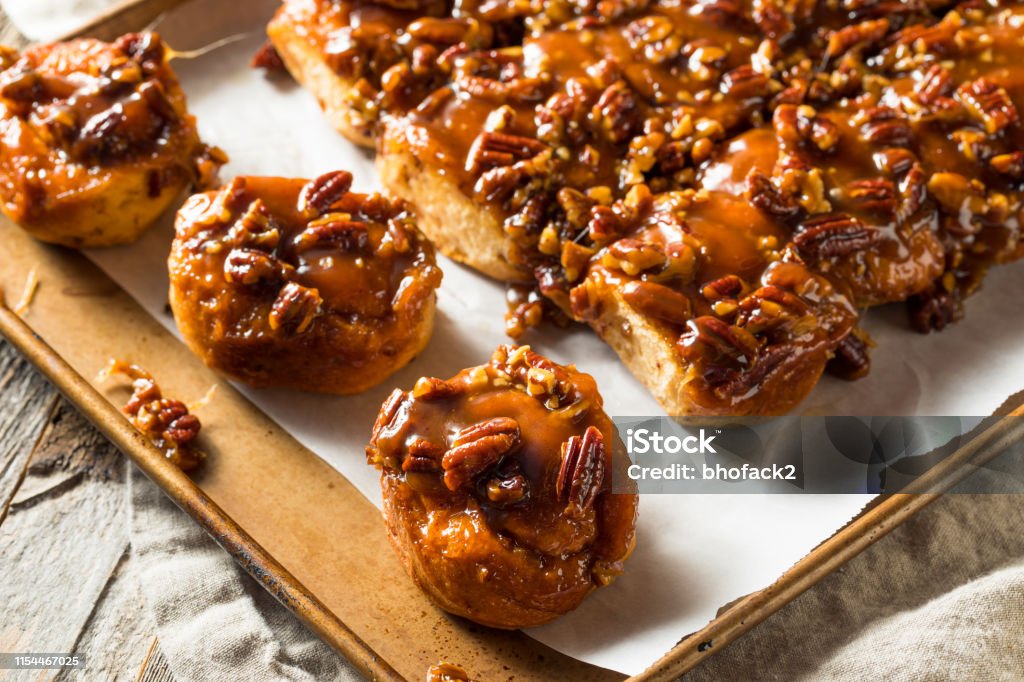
(64, 521)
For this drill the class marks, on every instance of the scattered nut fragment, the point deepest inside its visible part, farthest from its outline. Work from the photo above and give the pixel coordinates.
(165, 422)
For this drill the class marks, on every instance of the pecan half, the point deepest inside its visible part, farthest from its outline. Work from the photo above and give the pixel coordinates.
(388, 412)
(724, 341)
(477, 448)
(491, 149)
(581, 474)
(935, 83)
(296, 307)
(833, 235)
(334, 229)
(874, 195)
(884, 126)
(250, 267)
(990, 104)
(423, 456)
(658, 301)
(763, 194)
(319, 195)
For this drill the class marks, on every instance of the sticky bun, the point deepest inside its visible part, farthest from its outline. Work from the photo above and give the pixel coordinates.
(497, 487)
(303, 284)
(96, 141)
(717, 188)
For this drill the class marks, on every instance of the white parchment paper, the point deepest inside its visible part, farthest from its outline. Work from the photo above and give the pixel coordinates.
(694, 553)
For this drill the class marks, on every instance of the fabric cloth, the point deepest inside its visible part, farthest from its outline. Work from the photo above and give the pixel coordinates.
(213, 621)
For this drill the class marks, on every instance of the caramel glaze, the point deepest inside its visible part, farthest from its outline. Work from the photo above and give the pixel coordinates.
(740, 154)
(497, 489)
(286, 282)
(84, 120)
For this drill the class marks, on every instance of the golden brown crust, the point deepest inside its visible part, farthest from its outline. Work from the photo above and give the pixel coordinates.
(283, 282)
(462, 229)
(335, 93)
(497, 489)
(97, 141)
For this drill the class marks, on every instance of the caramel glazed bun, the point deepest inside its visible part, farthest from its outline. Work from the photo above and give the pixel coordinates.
(302, 284)
(497, 489)
(95, 140)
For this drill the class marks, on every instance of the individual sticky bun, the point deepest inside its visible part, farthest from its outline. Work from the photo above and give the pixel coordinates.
(303, 284)
(497, 487)
(96, 141)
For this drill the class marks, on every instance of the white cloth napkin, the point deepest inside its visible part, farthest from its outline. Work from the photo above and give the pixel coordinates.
(213, 621)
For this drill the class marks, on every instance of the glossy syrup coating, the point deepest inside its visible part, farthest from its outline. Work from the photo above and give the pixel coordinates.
(497, 487)
(95, 139)
(715, 186)
(303, 284)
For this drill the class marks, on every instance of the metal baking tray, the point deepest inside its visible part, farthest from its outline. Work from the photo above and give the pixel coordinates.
(298, 526)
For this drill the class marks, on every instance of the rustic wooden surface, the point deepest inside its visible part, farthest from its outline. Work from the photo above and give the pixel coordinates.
(68, 575)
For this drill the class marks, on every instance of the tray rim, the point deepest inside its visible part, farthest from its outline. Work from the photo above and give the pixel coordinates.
(881, 516)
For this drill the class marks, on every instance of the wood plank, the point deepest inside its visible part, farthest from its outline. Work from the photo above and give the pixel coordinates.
(64, 536)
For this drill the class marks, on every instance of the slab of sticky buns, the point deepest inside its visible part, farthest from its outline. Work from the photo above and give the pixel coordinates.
(717, 187)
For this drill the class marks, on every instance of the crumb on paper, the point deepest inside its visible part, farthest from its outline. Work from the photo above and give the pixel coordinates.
(166, 422)
(204, 400)
(27, 294)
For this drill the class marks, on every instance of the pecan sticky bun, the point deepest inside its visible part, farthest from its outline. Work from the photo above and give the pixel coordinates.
(717, 188)
(304, 284)
(96, 141)
(497, 489)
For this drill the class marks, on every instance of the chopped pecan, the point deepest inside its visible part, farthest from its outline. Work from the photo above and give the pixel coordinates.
(431, 388)
(1011, 164)
(296, 307)
(268, 59)
(851, 359)
(658, 301)
(477, 448)
(833, 235)
(633, 256)
(581, 474)
(933, 310)
(616, 112)
(769, 198)
(250, 267)
(319, 195)
(745, 83)
(770, 307)
(801, 124)
(862, 35)
(990, 104)
(491, 149)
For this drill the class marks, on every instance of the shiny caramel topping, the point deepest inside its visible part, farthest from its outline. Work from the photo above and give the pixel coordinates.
(744, 175)
(521, 437)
